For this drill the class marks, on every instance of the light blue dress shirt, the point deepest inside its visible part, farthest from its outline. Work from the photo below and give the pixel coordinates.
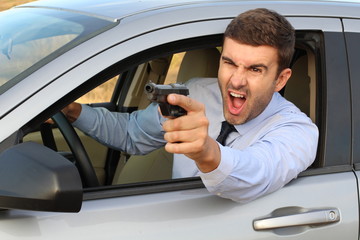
(261, 157)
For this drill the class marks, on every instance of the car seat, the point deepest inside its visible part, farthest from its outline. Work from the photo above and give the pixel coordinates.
(157, 165)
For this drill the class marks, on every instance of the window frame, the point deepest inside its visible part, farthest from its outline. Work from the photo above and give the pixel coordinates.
(195, 182)
(128, 66)
(352, 38)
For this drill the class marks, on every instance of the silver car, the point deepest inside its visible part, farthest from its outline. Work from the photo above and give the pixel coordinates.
(57, 183)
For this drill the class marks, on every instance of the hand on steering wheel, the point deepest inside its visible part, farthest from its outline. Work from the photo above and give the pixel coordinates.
(86, 169)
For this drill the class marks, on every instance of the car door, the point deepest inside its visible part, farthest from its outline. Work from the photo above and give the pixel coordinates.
(321, 204)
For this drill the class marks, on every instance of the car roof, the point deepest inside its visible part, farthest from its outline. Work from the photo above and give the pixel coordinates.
(117, 9)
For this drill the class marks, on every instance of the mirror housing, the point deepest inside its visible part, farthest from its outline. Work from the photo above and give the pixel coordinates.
(34, 177)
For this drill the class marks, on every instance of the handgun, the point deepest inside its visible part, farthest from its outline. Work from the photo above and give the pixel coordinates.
(159, 92)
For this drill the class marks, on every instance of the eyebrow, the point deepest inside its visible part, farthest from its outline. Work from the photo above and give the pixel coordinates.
(260, 65)
(227, 59)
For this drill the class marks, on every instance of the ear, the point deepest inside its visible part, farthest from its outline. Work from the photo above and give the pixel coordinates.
(282, 79)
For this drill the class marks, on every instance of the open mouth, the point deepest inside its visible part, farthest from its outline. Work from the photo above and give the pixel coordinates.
(236, 102)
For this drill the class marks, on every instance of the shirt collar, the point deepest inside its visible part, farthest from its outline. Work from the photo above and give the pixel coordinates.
(268, 111)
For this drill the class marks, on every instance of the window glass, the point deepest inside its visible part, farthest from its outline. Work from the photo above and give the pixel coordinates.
(100, 94)
(36, 36)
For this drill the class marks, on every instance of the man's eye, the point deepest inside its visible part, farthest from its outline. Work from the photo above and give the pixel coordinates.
(256, 70)
(229, 62)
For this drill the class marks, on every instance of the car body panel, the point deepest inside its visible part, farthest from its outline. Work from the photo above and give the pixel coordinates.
(193, 214)
(122, 9)
(181, 213)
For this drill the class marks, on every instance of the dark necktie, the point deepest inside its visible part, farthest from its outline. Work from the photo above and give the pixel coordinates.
(226, 129)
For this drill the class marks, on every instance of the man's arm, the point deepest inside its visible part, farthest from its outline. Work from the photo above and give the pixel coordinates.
(137, 133)
(242, 175)
(265, 166)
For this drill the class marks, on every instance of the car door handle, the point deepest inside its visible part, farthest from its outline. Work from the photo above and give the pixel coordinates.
(311, 217)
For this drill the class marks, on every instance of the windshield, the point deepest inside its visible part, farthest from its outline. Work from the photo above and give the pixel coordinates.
(31, 37)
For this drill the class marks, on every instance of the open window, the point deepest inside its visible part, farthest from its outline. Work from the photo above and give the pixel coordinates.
(122, 86)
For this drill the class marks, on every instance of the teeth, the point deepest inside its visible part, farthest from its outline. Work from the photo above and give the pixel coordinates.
(236, 95)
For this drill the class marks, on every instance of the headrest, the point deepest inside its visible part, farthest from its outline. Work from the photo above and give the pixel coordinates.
(199, 63)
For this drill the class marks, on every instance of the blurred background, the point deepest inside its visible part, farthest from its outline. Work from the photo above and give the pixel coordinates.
(6, 4)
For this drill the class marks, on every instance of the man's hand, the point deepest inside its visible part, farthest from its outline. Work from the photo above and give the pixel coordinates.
(72, 111)
(188, 134)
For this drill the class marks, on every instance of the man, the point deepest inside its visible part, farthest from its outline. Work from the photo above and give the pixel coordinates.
(272, 141)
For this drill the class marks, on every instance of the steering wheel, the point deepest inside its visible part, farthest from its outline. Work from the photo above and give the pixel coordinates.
(77, 148)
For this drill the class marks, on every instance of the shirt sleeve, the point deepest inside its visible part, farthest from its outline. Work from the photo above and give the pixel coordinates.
(265, 166)
(137, 133)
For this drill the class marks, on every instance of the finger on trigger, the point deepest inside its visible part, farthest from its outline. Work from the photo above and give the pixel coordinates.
(183, 101)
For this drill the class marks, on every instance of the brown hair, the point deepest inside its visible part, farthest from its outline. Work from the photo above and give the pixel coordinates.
(264, 27)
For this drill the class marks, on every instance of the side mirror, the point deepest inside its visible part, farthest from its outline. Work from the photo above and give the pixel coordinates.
(34, 177)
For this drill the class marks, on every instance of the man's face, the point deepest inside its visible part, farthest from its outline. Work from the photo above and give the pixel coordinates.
(247, 79)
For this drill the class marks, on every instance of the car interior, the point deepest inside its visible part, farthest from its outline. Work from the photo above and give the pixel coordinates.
(157, 165)
(114, 167)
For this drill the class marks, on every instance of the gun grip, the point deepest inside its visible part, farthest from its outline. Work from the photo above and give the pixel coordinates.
(168, 110)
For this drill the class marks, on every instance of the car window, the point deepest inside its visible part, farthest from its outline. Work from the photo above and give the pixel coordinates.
(176, 60)
(301, 90)
(114, 167)
(100, 94)
(177, 68)
(24, 51)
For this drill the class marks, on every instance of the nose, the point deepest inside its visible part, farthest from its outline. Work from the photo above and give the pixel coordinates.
(238, 77)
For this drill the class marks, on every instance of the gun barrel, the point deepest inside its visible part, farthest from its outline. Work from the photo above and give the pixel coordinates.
(158, 93)
(150, 87)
